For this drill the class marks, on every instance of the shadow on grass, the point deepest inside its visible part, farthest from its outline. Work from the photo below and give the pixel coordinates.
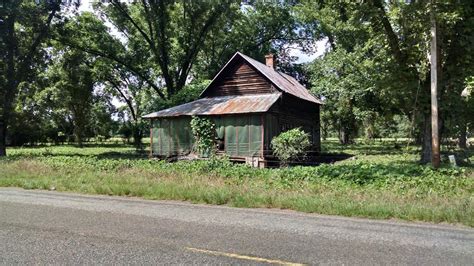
(136, 155)
(368, 149)
(51, 151)
(84, 145)
(325, 158)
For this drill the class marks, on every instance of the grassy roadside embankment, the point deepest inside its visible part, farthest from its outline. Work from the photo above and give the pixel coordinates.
(380, 183)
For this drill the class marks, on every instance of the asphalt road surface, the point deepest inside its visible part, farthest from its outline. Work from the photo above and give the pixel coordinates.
(40, 227)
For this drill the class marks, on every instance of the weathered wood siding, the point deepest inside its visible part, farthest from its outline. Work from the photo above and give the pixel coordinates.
(290, 113)
(240, 79)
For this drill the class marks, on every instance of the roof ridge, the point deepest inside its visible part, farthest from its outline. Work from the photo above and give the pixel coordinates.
(244, 95)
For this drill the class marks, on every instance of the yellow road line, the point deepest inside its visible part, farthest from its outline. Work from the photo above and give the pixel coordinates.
(242, 257)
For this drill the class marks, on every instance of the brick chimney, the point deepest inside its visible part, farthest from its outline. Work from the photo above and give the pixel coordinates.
(269, 58)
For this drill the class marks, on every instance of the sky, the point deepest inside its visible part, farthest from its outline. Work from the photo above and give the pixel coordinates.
(303, 57)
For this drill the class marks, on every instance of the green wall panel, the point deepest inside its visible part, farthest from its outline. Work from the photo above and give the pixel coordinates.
(242, 135)
(172, 136)
(255, 135)
(230, 136)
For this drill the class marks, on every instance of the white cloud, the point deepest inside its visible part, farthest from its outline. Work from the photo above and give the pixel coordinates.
(85, 6)
(321, 47)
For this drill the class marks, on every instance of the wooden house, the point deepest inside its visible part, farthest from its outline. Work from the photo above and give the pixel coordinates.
(250, 103)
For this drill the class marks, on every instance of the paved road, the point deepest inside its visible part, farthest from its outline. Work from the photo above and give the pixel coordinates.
(40, 227)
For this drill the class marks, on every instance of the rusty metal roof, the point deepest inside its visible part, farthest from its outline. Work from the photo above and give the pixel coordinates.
(257, 103)
(282, 81)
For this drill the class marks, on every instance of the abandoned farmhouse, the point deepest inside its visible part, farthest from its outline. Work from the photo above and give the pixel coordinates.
(250, 103)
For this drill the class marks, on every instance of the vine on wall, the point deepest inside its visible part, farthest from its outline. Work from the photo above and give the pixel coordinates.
(204, 131)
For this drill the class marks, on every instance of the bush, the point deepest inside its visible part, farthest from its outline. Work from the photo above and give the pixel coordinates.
(126, 131)
(290, 145)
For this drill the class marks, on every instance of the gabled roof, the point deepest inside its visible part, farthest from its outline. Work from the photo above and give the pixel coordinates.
(281, 81)
(258, 103)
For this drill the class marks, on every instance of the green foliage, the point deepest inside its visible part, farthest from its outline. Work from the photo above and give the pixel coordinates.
(376, 66)
(24, 27)
(349, 75)
(126, 131)
(168, 36)
(204, 131)
(175, 41)
(387, 184)
(189, 93)
(290, 145)
(250, 29)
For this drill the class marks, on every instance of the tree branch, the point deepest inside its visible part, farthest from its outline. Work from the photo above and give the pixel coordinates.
(161, 54)
(193, 51)
(116, 4)
(148, 17)
(26, 59)
(125, 98)
(390, 33)
(119, 61)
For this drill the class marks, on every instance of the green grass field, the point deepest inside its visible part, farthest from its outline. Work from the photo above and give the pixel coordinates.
(382, 181)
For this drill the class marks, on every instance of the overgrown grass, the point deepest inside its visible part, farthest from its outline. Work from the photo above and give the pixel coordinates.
(381, 181)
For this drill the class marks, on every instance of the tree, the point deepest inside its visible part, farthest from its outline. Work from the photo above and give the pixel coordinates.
(389, 41)
(167, 35)
(457, 74)
(24, 26)
(255, 29)
(71, 84)
(89, 34)
(125, 86)
(348, 76)
(101, 125)
(167, 44)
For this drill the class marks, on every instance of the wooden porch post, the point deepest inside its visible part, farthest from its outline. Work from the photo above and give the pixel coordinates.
(151, 138)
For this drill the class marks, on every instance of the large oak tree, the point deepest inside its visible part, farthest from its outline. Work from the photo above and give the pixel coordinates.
(24, 26)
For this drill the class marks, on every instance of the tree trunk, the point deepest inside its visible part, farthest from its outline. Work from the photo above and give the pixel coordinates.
(463, 137)
(9, 90)
(345, 136)
(3, 139)
(325, 132)
(370, 130)
(426, 140)
(78, 140)
(137, 137)
(78, 136)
